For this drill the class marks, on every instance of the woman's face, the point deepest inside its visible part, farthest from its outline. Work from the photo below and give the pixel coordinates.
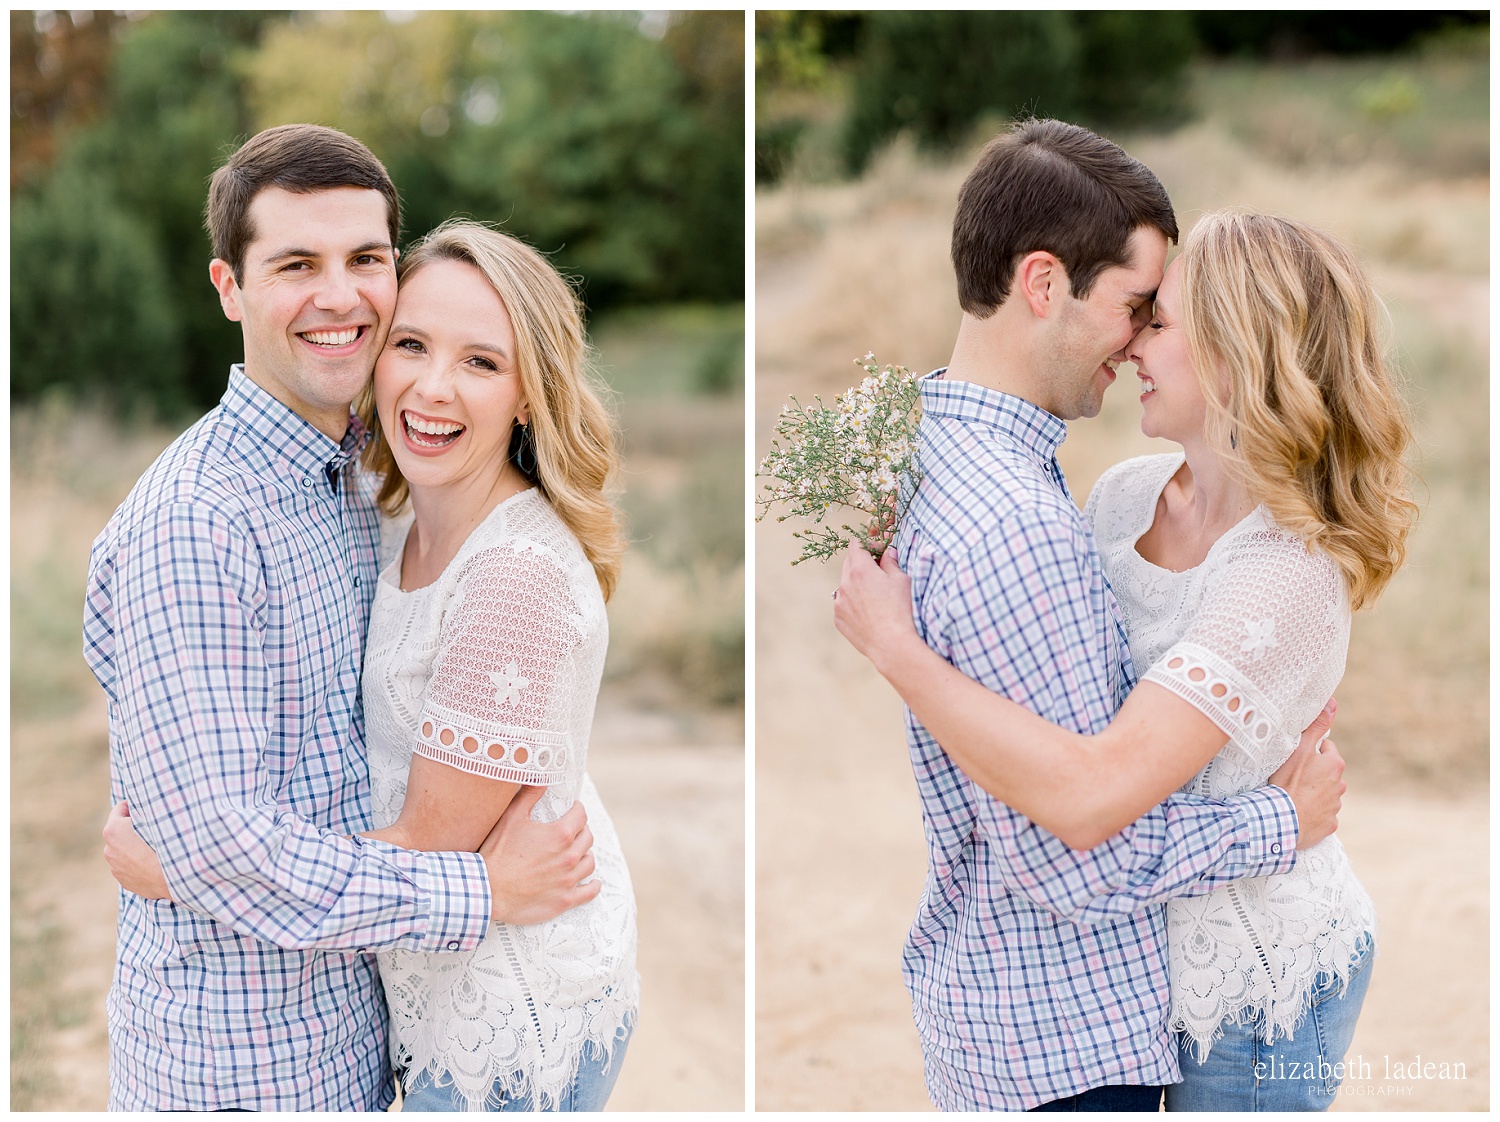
(446, 385)
(1172, 403)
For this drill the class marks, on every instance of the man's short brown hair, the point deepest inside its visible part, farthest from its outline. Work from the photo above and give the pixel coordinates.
(1048, 185)
(300, 158)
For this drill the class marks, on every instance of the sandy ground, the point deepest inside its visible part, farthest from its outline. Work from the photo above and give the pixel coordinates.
(841, 861)
(678, 804)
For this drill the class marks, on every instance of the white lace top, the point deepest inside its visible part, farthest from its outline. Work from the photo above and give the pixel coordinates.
(1255, 638)
(494, 669)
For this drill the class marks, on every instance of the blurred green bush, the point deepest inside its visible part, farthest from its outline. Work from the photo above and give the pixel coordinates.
(937, 74)
(612, 141)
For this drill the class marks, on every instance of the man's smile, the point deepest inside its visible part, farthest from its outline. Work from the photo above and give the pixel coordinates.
(333, 338)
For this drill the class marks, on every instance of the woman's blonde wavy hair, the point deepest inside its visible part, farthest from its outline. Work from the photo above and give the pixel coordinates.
(576, 446)
(1284, 330)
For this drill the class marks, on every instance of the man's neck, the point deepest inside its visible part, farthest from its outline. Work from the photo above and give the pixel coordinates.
(994, 353)
(332, 422)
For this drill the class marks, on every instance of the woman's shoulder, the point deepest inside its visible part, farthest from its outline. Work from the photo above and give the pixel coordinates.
(393, 531)
(1264, 554)
(1127, 491)
(524, 540)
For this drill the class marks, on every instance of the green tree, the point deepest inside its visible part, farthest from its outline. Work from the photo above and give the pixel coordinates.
(617, 152)
(89, 299)
(937, 73)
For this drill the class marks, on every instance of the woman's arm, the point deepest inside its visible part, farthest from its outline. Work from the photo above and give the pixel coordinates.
(132, 862)
(446, 809)
(1083, 789)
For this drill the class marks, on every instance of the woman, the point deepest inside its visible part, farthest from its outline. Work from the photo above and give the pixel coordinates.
(1236, 563)
(485, 649)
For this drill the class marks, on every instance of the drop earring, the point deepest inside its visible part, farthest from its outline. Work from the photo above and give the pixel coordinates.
(523, 451)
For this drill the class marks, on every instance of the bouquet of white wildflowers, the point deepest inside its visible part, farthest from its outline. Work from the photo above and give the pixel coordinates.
(858, 454)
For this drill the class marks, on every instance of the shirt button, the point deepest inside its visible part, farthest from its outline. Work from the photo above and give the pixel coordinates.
(453, 944)
(307, 483)
(356, 580)
(1275, 847)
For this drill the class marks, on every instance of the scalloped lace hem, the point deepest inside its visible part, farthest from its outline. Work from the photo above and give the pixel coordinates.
(532, 1074)
(1281, 1017)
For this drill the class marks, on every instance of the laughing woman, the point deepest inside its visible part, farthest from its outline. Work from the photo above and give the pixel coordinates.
(1236, 563)
(485, 650)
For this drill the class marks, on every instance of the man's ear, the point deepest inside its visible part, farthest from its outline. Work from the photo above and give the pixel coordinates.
(228, 288)
(1042, 282)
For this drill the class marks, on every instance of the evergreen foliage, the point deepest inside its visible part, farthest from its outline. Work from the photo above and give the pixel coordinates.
(613, 145)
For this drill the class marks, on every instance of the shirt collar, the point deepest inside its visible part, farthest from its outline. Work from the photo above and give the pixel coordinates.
(287, 437)
(1030, 425)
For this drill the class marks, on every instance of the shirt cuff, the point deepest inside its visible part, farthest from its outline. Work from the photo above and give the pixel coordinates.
(455, 895)
(1270, 820)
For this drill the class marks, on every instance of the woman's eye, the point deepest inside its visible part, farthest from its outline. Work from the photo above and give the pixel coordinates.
(1155, 325)
(412, 345)
(484, 363)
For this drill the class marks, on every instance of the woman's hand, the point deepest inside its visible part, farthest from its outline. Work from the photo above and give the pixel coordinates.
(131, 861)
(872, 607)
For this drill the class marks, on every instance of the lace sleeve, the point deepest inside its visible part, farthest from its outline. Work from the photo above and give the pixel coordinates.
(499, 699)
(1267, 647)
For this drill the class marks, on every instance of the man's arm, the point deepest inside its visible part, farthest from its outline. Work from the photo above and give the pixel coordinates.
(1019, 614)
(195, 703)
(535, 868)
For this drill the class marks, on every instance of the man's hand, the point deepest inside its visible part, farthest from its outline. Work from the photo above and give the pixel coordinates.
(1314, 778)
(535, 867)
(131, 861)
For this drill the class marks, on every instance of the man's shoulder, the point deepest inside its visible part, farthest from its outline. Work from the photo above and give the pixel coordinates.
(198, 470)
(995, 489)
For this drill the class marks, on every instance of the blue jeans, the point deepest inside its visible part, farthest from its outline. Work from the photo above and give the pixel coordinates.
(589, 1090)
(1243, 1072)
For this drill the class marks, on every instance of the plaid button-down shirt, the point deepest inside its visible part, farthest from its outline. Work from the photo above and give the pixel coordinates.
(225, 618)
(1038, 972)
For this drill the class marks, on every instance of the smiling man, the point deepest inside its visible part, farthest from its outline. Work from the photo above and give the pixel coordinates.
(1038, 974)
(225, 618)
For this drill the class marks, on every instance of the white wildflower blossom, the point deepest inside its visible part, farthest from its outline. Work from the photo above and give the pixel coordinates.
(858, 453)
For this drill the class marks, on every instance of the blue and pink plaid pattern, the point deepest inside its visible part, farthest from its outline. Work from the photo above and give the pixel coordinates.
(1038, 972)
(225, 618)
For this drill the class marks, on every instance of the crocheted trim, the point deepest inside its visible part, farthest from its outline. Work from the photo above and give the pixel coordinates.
(1213, 687)
(532, 759)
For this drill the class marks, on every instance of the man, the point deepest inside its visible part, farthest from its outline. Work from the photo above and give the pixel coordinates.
(225, 619)
(1038, 974)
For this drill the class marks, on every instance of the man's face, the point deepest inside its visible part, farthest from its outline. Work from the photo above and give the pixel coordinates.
(1090, 335)
(316, 300)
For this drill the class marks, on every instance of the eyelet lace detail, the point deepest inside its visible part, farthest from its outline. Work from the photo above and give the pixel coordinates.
(494, 669)
(1254, 638)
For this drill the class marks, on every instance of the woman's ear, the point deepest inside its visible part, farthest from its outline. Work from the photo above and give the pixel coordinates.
(523, 414)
